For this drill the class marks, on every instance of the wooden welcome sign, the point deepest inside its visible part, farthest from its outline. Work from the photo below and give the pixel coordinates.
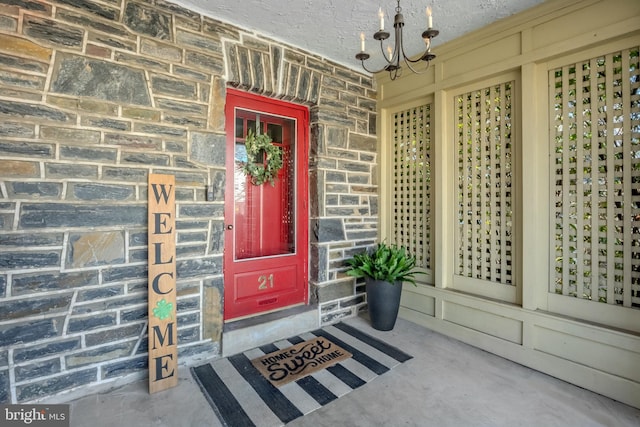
(163, 336)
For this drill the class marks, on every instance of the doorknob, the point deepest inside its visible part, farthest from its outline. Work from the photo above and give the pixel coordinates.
(230, 227)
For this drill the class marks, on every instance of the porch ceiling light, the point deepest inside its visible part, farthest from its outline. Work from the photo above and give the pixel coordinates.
(394, 56)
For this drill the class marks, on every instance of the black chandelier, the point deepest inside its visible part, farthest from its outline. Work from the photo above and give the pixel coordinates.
(396, 55)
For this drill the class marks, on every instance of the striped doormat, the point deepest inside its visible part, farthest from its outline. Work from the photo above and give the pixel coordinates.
(241, 396)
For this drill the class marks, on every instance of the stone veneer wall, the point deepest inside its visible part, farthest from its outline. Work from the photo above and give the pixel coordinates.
(94, 96)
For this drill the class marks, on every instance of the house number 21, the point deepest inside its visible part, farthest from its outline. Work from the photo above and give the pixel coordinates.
(265, 282)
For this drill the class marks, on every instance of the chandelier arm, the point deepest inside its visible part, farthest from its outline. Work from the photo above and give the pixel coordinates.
(384, 55)
(393, 74)
(413, 61)
(421, 57)
(407, 59)
(371, 71)
(418, 72)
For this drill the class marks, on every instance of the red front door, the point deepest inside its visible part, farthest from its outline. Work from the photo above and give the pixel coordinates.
(266, 238)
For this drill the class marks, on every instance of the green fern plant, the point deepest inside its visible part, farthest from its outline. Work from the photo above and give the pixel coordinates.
(389, 263)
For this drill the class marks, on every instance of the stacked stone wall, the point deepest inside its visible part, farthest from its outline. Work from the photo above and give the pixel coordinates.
(94, 96)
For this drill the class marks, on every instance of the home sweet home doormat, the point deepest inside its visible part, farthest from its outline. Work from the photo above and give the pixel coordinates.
(300, 360)
(242, 396)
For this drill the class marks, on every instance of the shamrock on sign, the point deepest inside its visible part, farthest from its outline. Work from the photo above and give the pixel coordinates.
(163, 309)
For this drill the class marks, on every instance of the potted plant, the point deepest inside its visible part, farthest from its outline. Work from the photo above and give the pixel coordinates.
(384, 269)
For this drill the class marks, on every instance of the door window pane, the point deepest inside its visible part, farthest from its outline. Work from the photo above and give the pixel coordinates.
(265, 214)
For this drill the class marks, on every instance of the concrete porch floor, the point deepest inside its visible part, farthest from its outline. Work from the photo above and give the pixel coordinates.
(447, 383)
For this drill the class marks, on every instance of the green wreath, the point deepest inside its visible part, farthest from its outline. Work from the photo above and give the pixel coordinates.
(261, 172)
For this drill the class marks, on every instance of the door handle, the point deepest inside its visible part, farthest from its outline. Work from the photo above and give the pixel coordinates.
(230, 227)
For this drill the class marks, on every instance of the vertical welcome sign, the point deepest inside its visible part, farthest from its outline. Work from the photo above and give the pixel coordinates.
(163, 345)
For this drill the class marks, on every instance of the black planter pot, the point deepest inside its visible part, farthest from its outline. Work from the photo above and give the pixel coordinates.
(383, 299)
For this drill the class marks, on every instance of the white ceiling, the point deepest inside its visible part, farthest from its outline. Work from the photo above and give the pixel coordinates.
(331, 28)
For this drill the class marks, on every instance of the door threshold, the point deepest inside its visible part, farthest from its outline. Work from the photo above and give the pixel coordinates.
(258, 319)
(245, 334)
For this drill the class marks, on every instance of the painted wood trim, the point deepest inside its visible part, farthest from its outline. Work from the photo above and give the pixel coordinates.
(580, 363)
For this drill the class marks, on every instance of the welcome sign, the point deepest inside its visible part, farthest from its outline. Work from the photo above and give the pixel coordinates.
(300, 360)
(163, 345)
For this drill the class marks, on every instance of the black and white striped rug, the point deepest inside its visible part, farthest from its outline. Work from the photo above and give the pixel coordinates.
(241, 396)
